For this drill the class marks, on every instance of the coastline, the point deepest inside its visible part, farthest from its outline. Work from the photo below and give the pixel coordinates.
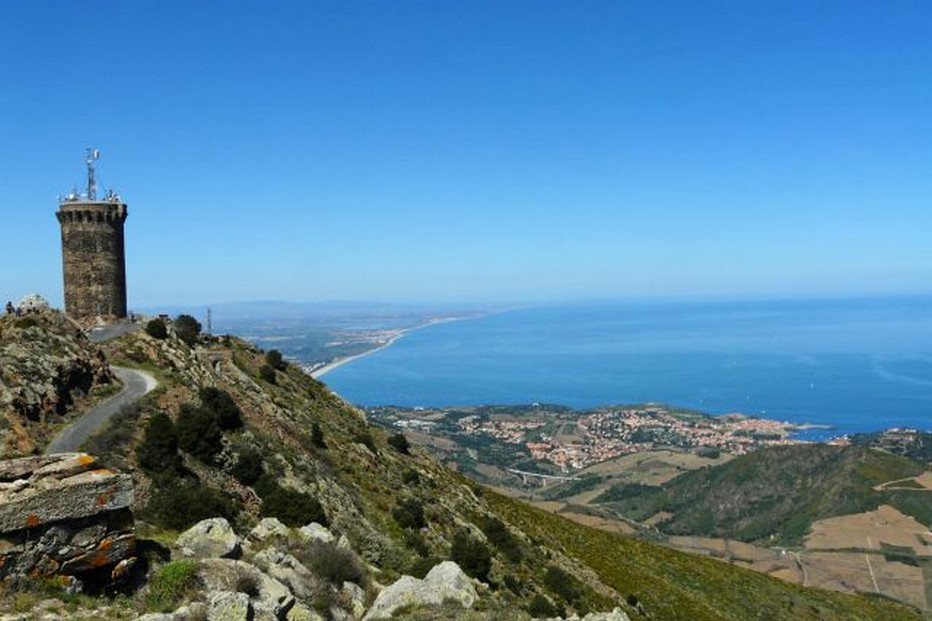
(339, 362)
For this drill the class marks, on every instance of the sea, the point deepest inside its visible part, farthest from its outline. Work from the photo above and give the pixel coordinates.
(853, 365)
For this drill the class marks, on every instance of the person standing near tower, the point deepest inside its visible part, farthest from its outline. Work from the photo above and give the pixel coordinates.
(93, 253)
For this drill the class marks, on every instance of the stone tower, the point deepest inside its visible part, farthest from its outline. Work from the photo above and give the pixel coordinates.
(93, 258)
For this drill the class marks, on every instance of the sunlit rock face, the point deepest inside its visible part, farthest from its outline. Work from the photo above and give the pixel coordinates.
(62, 516)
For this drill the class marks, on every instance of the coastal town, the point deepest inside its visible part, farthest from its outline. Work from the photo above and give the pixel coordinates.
(568, 440)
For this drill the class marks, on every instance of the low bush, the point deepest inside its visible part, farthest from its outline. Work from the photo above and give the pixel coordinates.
(292, 507)
(541, 607)
(500, 537)
(317, 436)
(336, 565)
(248, 466)
(364, 437)
(222, 406)
(158, 451)
(178, 503)
(563, 584)
(471, 555)
(400, 443)
(267, 373)
(409, 513)
(157, 329)
(198, 432)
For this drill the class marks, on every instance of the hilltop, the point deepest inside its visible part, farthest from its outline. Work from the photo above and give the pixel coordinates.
(237, 433)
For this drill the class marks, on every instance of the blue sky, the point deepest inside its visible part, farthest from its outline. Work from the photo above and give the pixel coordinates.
(501, 151)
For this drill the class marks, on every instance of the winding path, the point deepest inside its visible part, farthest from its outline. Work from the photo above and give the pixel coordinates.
(135, 384)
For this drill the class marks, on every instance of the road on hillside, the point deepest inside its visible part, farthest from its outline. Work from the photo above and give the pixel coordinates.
(135, 384)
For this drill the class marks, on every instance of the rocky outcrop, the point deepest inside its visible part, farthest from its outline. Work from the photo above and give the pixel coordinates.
(445, 582)
(61, 515)
(212, 538)
(45, 364)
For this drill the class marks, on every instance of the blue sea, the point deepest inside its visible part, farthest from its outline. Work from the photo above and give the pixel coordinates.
(855, 365)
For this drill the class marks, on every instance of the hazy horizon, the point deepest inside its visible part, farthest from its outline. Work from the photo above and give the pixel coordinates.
(487, 152)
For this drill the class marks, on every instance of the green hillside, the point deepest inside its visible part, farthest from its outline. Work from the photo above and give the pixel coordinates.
(773, 495)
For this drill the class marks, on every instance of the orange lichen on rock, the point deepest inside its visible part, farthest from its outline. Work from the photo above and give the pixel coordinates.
(32, 520)
(86, 460)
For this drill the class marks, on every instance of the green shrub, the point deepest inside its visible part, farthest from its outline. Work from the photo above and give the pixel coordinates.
(267, 373)
(198, 432)
(187, 328)
(365, 438)
(336, 565)
(563, 584)
(222, 406)
(248, 466)
(399, 442)
(274, 359)
(157, 329)
(317, 436)
(541, 607)
(499, 536)
(170, 584)
(411, 477)
(158, 451)
(471, 555)
(409, 513)
(293, 508)
(178, 503)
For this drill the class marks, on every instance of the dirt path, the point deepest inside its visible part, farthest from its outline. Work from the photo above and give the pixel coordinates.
(135, 384)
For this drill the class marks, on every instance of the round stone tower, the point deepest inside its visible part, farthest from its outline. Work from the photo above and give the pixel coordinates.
(93, 258)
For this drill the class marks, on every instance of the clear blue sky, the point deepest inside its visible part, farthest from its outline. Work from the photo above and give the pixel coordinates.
(500, 150)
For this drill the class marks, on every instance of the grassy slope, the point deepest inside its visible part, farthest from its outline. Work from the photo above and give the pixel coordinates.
(674, 585)
(776, 491)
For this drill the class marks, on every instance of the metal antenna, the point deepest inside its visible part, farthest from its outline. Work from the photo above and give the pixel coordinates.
(91, 157)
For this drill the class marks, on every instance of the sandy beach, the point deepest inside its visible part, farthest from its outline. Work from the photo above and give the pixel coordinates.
(339, 362)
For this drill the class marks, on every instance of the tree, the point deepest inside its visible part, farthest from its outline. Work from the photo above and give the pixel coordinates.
(471, 555)
(156, 329)
(274, 359)
(222, 406)
(198, 432)
(399, 442)
(267, 373)
(158, 451)
(187, 328)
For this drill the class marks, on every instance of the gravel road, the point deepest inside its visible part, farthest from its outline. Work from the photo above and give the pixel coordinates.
(135, 385)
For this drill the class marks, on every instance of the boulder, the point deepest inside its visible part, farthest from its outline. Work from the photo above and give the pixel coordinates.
(270, 599)
(213, 538)
(288, 570)
(62, 515)
(227, 606)
(316, 531)
(445, 581)
(268, 528)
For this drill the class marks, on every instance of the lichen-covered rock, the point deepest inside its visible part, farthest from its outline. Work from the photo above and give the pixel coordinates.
(213, 538)
(270, 599)
(62, 515)
(316, 531)
(227, 606)
(45, 364)
(268, 528)
(444, 582)
(288, 570)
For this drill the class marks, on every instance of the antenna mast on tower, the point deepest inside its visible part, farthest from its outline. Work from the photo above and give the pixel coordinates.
(89, 159)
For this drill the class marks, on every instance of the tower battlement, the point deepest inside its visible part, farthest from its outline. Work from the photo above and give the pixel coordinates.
(93, 254)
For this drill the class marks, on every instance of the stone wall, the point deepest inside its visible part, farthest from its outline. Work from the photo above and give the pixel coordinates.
(93, 258)
(63, 516)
